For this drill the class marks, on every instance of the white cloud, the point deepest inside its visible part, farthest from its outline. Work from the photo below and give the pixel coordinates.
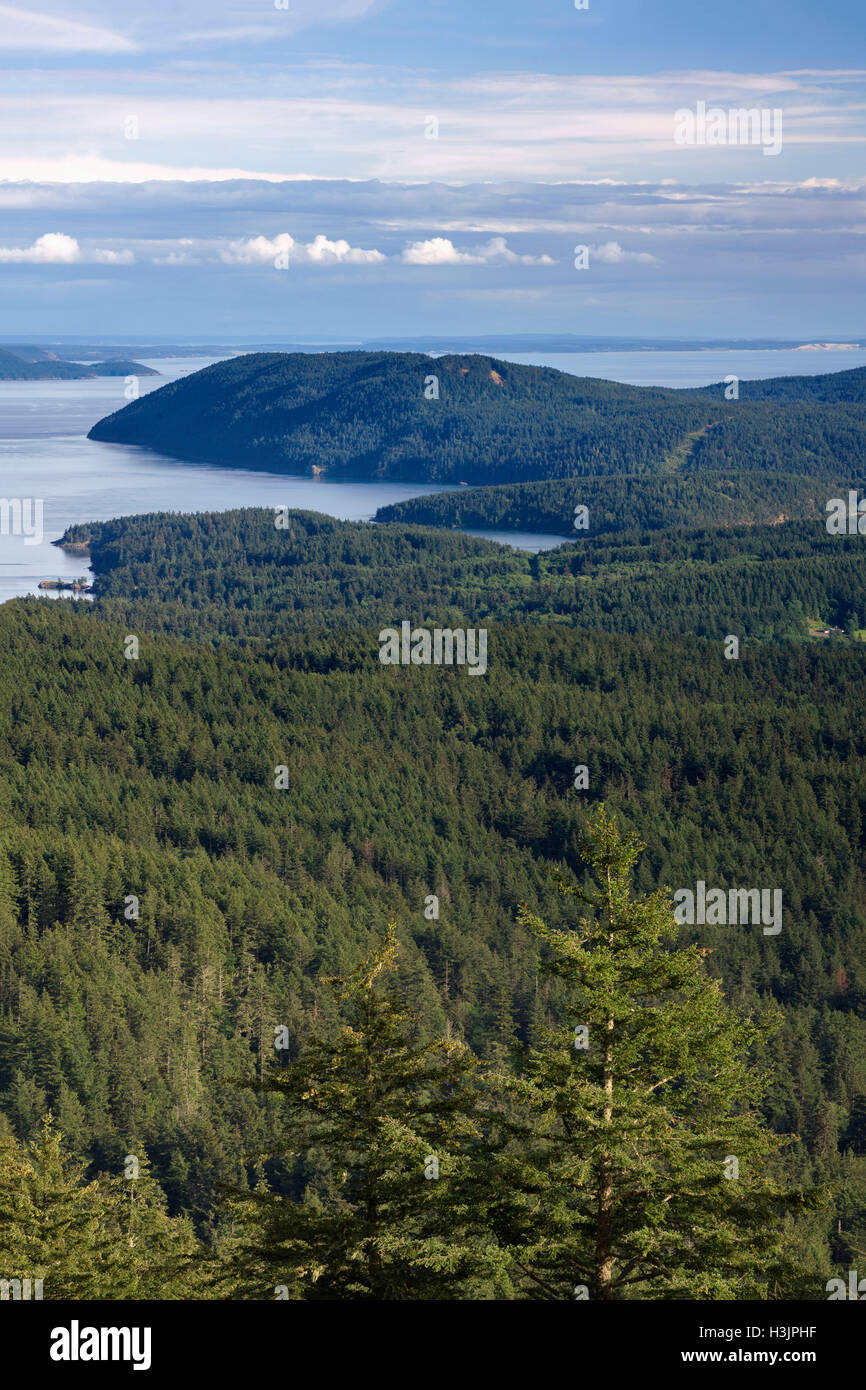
(31, 33)
(52, 249)
(56, 248)
(440, 250)
(462, 234)
(262, 250)
(324, 252)
(611, 253)
(183, 253)
(496, 249)
(271, 24)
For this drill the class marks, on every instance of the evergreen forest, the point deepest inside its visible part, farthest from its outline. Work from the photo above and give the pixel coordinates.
(328, 979)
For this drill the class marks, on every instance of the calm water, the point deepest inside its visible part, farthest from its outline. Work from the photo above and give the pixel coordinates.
(44, 453)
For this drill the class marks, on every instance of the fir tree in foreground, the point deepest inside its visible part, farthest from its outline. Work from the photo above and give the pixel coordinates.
(638, 1166)
(390, 1122)
(110, 1238)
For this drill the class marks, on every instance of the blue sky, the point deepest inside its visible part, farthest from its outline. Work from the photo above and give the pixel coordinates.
(341, 170)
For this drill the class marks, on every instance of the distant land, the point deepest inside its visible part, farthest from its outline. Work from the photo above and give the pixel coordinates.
(570, 342)
(82, 348)
(14, 366)
(827, 347)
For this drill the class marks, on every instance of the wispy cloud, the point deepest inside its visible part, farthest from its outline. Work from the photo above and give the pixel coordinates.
(96, 168)
(24, 32)
(371, 123)
(159, 27)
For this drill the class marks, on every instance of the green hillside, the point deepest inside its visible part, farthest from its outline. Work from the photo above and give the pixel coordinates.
(235, 576)
(829, 386)
(372, 415)
(625, 504)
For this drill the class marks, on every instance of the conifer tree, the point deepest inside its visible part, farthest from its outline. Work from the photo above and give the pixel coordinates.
(153, 1255)
(638, 1165)
(52, 1222)
(109, 1238)
(391, 1119)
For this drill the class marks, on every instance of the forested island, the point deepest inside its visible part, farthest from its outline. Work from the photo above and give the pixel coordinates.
(43, 366)
(479, 420)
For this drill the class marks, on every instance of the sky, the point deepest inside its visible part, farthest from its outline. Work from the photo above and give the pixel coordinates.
(339, 170)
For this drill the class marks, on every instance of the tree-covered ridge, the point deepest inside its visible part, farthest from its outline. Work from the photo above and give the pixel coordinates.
(624, 504)
(849, 385)
(237, 576)
(478, 420)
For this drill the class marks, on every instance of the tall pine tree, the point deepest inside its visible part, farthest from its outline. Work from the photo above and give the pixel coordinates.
(634, 1163)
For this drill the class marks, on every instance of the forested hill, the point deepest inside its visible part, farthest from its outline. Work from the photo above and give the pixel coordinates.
(829, 386)
(475, 419)
(235, 576)
(671, 501)
(15, 368)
